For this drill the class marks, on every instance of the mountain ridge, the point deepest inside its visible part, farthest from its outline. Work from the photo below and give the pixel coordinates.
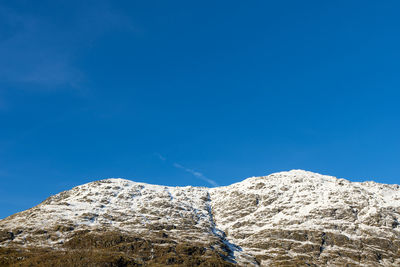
(295, 217)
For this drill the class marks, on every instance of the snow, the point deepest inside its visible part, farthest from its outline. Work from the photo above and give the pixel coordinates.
(244, 211)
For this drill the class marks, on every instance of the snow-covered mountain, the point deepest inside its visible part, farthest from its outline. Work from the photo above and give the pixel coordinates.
(294, 218)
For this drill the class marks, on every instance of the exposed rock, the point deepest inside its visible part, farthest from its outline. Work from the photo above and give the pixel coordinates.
(294, 218)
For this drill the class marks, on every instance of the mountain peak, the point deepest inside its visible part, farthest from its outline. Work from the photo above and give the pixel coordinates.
(299, 172)
(294, 216)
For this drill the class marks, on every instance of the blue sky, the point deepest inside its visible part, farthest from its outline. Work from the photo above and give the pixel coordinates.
(195, 93)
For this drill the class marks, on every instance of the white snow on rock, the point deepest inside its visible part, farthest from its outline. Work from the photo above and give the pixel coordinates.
(302, 202)
(243, 215)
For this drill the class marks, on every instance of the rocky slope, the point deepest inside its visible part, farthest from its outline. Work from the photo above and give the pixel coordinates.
(294, 218)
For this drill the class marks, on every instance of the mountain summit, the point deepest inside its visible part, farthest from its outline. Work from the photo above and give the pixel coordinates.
(294, 218)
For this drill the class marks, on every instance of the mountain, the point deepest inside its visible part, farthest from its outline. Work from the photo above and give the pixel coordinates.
(294, 218)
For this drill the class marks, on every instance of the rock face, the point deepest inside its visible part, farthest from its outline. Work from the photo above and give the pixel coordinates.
(294, 218)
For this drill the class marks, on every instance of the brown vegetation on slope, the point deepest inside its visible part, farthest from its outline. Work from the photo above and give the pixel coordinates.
(87, 248)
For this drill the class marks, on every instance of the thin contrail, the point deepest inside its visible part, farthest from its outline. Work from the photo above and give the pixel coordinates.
(196, 174)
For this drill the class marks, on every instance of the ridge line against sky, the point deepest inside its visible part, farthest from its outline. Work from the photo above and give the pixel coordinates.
(226, 90)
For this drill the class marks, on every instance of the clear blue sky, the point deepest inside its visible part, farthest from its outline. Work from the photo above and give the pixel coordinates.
(195, 92)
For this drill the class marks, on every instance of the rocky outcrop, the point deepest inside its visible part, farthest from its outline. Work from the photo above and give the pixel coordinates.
(105, 248)
(294, 218)
(306, 218)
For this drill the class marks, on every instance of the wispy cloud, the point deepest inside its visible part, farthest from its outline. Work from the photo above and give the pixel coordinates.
(196, 174)
(35, 49)
(32, 54)
(193, 172)
(161, 157)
